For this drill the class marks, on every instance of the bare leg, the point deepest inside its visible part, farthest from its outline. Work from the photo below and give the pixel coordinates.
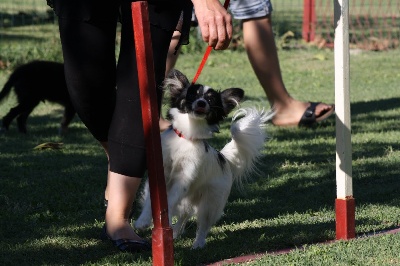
(120, 194)
(261, 50)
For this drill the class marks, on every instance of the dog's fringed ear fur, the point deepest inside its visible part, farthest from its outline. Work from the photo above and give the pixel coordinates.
(231, 98)
(175, 82)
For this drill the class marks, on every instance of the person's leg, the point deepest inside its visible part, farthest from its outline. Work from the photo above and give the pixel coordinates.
(91, 82)
(172, 57)
(261, 50)
(125, 145)
(121, 190)
(120, 194)
(89, 65)
(90, 78)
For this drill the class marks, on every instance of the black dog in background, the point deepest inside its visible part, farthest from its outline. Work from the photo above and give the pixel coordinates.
(35, 82)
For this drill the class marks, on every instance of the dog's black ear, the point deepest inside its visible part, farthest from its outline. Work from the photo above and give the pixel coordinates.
(231, 98)
(175, 82)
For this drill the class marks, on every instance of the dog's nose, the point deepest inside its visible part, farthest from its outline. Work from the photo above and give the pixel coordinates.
(201, 103)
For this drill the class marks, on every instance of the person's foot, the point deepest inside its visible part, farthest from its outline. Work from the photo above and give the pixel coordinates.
(117, 219)
(118, 230)
(128, 241)
(292, 114)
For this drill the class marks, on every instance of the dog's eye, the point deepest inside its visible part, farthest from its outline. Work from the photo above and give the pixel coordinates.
(210, 98)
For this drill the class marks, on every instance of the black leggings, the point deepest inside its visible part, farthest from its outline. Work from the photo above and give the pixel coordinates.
(105, 93)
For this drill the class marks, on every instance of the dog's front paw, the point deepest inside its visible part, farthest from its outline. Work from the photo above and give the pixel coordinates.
(175, 234)
(199, 243)
(177, 231)
(141, 224)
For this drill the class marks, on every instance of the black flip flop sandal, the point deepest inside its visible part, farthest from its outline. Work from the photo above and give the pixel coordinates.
(126, 245)
(309, 118)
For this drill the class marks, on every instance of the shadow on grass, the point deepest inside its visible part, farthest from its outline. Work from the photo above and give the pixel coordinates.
(263, 239)
(375, 105)
(45, 124)
(14, 37)
(26, 18)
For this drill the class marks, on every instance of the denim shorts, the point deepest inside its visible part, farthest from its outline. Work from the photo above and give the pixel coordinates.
(247, 9)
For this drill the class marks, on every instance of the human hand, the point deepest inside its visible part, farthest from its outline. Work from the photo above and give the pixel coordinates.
(215, 23)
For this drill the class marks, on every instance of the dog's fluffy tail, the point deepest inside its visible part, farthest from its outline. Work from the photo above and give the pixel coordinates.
(248, 138)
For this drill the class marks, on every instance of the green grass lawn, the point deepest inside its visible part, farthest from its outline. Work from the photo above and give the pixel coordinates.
(51, 208)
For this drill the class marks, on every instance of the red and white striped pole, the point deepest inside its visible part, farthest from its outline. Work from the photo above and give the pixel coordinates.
(162, 239)
(345, 203)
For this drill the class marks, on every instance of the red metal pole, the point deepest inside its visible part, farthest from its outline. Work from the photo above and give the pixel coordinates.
(309, 20)
(313, 21)
(306, 22)
(162, 239)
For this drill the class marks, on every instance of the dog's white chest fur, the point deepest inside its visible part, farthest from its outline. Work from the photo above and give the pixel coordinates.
(192, 160)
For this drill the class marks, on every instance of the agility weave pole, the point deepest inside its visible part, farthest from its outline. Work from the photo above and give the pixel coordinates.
(345, 203)
(162, 238)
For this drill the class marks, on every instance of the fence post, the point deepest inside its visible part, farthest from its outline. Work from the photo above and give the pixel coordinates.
(309, 20)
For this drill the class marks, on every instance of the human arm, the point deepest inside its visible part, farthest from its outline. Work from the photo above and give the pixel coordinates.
(215, 23)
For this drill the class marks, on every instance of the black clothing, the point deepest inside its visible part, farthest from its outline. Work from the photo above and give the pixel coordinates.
(104, 91)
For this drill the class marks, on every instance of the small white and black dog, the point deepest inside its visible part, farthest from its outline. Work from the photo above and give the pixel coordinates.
(198, 177)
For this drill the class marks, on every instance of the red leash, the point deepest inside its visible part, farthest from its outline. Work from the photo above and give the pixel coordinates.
(206, 54)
